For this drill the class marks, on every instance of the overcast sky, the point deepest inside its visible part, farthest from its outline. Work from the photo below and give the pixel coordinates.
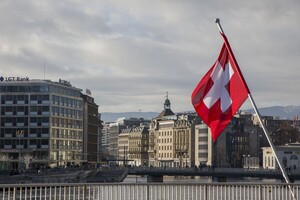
(130, 53)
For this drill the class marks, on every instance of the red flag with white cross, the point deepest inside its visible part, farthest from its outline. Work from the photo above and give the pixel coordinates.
(221, 92)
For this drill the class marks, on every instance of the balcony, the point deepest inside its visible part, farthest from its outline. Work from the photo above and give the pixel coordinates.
(32, 135)
(33, 102)
(8, 102)
(20, 113)
(45, 135)
(20, 134)
(21, 102)
(45, 102)
(7, 135)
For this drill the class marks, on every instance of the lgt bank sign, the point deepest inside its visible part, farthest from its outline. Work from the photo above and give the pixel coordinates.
(13, 78)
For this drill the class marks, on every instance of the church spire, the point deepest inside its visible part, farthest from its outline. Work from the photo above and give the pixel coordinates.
(167, 104)
(167, 108)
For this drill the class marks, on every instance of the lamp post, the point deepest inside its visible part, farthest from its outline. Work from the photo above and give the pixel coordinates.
(18, 133)
(186, 153)
(180, 153)
(4, 159)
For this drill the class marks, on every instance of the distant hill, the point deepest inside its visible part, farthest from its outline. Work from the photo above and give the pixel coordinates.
(112, 117)
(283, 112)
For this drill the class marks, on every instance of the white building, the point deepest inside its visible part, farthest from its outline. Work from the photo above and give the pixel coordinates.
(203, 145)
(288, 155)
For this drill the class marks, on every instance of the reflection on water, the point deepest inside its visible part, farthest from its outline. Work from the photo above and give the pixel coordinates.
(199, 179)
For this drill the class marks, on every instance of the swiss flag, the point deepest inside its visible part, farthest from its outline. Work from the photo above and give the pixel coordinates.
(221, 92)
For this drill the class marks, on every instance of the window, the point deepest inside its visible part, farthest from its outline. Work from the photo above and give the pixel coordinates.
(8, 120)
(9, 89)
(8, 142)
(23, 89)
(33, 109)
(32, 142)
(8, 109)
(14, 89)
(33, 97)
(45, 142)
(203, 130)
(45, 120)
(9, 98)
(44, 88)
(202, 155)
(35, 88)
(45, 130)
(45, 97)
(45, 108)
(33, 120)
(20, 120)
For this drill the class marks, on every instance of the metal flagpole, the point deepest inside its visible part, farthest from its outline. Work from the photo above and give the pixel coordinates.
(272, 145)
(264, 128)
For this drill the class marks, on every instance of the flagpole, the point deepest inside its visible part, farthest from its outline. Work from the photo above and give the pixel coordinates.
(219, 26)
(284, 174)
(268, 138)
(259, 118)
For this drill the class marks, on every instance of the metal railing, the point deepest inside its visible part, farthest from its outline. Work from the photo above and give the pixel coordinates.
(149, 191)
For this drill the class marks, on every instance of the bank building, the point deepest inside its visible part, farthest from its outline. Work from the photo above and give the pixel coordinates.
(45, 123)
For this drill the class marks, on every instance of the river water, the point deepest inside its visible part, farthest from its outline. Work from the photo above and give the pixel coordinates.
(198, 179)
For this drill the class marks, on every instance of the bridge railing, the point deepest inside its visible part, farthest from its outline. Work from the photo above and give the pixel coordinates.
(150, 191)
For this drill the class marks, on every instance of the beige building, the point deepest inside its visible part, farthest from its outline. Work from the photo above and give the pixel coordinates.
(152, 148)
(160, 133)
(164, 143)
(138, 146)
(184, 140)
(123, 146)
(172, 139)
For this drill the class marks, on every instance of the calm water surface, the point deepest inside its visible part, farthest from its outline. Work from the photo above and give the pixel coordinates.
(197, 179)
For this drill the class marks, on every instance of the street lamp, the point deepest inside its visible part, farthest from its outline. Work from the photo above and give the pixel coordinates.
(4, 159)
(18, 134)
(186, 152)
(180, 152)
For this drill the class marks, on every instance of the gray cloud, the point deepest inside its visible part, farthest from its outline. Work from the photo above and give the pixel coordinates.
(130, 53)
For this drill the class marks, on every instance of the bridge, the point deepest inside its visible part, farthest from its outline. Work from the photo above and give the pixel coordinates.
(156, 174)
(151, 191)
(164, 191)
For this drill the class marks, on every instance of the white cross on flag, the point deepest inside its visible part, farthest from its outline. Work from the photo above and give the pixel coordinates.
(221, 92)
